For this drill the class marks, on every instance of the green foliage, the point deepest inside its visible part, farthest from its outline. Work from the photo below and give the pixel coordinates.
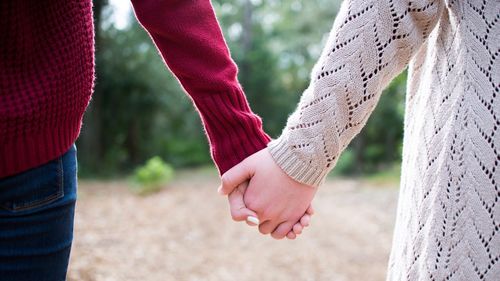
(139, 109)
(391, 175)
(152, 176)
(286, 38)
(345, 164)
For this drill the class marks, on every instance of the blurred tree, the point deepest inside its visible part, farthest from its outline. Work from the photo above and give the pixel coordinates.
(139, 110)
(90, 139)
(379, 144)
(276, 44)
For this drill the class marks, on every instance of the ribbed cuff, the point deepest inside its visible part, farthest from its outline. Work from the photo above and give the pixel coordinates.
(293, 166)
(234, 131)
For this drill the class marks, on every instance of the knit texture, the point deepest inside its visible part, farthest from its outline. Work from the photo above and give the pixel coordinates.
(46, 78)
(47, 73)
(448, 218)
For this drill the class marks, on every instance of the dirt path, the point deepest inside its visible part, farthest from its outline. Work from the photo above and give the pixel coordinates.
(185, 233)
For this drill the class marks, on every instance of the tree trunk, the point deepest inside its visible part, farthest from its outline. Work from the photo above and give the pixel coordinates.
(90, 139)
(246, 37)
(358, 146)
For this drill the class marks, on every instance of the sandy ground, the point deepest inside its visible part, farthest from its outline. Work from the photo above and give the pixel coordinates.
(185, 233)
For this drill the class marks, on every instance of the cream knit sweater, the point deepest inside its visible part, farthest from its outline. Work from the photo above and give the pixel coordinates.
(448, 221)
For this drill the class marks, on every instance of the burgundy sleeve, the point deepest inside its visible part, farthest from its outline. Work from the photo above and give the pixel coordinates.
(189, 38)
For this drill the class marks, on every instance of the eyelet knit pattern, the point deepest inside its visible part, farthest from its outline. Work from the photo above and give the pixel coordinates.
(448, 221)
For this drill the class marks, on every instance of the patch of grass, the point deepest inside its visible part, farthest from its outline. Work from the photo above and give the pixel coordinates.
(390, 176)
(345, 165)
(152, 177)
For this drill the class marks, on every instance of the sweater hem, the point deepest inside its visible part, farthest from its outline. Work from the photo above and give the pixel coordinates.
(27, 152)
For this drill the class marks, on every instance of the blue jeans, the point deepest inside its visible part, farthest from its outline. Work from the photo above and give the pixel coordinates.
(37, 210)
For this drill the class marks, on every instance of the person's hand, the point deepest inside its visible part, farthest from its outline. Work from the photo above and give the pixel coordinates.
(278, 200)
(240, 212)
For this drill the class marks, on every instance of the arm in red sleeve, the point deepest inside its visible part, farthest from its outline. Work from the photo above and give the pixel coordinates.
(190, 40)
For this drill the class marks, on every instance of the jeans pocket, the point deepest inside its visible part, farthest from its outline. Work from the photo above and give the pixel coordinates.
(33, 189)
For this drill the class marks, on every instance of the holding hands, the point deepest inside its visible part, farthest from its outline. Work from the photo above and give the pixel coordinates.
(260, 192)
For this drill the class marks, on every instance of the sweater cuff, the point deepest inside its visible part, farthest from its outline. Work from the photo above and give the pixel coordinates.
(234, 131)
(293, 166)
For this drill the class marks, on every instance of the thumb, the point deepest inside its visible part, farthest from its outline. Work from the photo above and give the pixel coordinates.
(234, 177)
(239, 211)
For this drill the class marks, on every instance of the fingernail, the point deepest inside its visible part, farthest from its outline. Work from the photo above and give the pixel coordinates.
(253, 220)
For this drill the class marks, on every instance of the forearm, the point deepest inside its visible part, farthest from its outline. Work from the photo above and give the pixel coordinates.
(190, 41)
(370, 43)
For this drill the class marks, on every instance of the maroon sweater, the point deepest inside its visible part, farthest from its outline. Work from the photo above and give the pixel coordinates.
(47, 75)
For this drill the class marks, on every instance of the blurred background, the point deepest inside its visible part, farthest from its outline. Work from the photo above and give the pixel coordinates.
(148, 209)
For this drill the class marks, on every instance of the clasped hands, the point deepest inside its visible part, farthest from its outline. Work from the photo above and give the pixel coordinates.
(259, 188)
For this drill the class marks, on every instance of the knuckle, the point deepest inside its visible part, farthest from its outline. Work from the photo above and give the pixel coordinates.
(297, 230)
(277, 235)
(271, 214)
(263, 230)
(225, 179)
(253, 205)
(235, 216)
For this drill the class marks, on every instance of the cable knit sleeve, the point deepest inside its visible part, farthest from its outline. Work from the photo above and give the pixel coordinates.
(370, 43)
(190, 41)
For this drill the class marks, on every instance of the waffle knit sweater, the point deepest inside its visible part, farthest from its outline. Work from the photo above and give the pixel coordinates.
(47, 75)
(448, 218)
